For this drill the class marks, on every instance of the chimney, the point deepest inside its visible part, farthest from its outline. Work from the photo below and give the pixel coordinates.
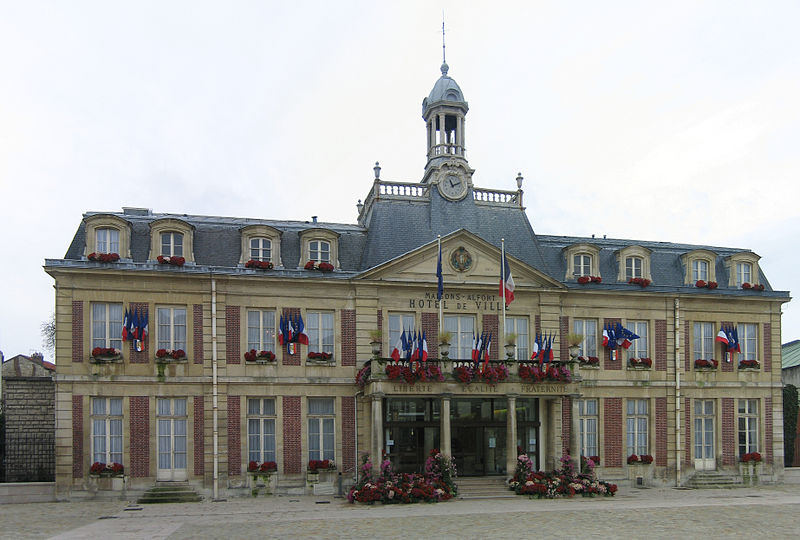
(313, 219)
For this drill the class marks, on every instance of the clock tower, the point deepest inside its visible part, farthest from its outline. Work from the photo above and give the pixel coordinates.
(444, 112)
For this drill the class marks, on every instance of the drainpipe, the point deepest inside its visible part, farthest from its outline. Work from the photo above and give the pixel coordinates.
(214, 393)
(678, 393)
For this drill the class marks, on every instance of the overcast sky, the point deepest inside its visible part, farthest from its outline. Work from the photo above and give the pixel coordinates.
(672, 121)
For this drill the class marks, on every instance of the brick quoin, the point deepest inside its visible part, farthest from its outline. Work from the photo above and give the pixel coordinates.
(768, 429)
(77, 331)
(430, 325)
(379, 325)
(563, 328)
(348, 337)
(291, 359)
(728, 432)
(232, 335)
(566, 425)
(140, 436)
(613, 432)
(726, 366)
(141, 357)
(661, 432)
(292, 446)
(661, 345)
(686, 347)
(767, 348)
(234, 436)
(687, 426)
(607, 362)
(77, 436)
(199, 437)
(490, 325)
(197, 332)
(348, 434)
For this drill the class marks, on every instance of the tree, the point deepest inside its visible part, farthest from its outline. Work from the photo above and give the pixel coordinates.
(48, 329)
(789, 422)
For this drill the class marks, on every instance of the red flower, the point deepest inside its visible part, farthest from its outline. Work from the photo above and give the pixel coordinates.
(700, 283)
(325, 267)
(596, 279)
(117, 468)
(633, 458)
(104, 351)
(97, 467)
(646, 458)
(263, 265)
(583, 280)
(309, 265)
(178, 354)
(746, 285)
(268, 466)
(252, 466)
(712, 285)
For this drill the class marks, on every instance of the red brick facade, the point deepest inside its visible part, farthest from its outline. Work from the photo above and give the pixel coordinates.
(348, 434)
(291, 359)
(728, 432)
(232, 335)
(140, 436)
(430, 325)
(767, 341)
(77, 436)
(348, 337)
(197, 333)
(199, 436)
(661, 431)
(768, 430)
(292, 445)
(687, 427)
(612, 428)
(77, 331)
(608, 363)
(141, 357)
(490, 324)
(660, 352)
(563, 329)
(234, 436)
(566, 426)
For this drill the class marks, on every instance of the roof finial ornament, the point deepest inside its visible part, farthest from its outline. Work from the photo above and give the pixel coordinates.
(445, 67)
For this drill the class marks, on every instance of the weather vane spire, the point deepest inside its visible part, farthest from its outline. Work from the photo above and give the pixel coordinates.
(444, 59)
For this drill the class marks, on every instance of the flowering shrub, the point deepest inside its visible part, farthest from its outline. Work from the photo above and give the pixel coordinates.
(701, 363)
(589, 463)
(321, 465)
(583, 280)
(103, 257)
(640, 362)
(644, 458)
(464, 374)
(749, 364)
(252, 355)
(177, 354)
(493, 375)
(320, 356)
(588, 360)
(642, 282)
(105, 352)
(535, 373)
(174, 260)
(565, 482)
(752, 287)
(262, 265)
(754, 457)
(362, 377)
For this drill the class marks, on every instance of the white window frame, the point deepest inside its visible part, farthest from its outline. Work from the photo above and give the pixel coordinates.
(520, 326)
(747, 426)
(588, 422)
(637, 421)
(319, 328)
(261, 424)
(462, 327)
(167, 329)
(319, 251)
(588, 329)
(261, 249)
(744, 273)
(748, 340)
(582, 264)
(700, 270)
(703, 340)
(107, 326)
(634, 267)
(261, 329)
(107, 434)
(107, 240)
(322, 429)
(398, 323)
(170, 247)
(639, 347)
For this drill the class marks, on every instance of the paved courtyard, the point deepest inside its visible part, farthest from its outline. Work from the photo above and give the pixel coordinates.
(766, 512)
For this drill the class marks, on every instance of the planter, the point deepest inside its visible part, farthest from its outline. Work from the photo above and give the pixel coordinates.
(261, 483)
(105, 359)
(510, 349)
(444, 350)
(750, 472)
(376, 348)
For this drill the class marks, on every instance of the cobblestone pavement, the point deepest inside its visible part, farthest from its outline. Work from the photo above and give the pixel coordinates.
(765, 512)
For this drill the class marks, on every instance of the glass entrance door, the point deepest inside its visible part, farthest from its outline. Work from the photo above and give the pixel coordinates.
(704, 435)
(478, 435)
(171, 422)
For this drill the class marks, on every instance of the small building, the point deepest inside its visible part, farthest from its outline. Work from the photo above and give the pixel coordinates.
(790, 363)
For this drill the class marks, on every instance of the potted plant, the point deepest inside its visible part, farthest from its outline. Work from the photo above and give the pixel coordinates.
(510, 344)
(375, 340)
(574, 341)
(444, 343)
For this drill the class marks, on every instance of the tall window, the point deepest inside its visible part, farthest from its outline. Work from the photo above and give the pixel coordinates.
(261, 330)
(319, 250)
(321, 438)
(587, 417)
(261, 249)
(398, 322)
(633, 267)
(463, 329)
(519, 326)
(107, 240)
(744, 273)
(639, 348)
(588, 329)
(703, 340)
(107, 430)
(172, 244)
(637, 426)
(261, 429)
(748, 426)
(171, 328)
(748, 341)
(319, 328)
(582, 265)
(107, 325)
(699, 270)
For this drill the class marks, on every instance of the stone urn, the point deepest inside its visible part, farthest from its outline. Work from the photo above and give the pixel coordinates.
(510, 348)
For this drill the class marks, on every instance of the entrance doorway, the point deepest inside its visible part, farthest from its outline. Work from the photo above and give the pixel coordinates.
(704, 435)
(411, 432)
(478, 440)
(171, 422)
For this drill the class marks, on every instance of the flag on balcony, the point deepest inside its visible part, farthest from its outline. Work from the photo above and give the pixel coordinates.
(506, 281)
(423, 348)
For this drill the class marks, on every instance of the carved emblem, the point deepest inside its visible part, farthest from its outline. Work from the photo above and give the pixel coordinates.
(461, 260)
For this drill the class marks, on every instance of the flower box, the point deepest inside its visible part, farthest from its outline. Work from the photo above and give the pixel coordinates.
(103, 470)
(167, 355)
(553, 373)
(322, 267)
(640, 363)
(260, 357)
(752, 287)
(702, 284)
(105, 355)
(103, 257)
(589, 362)
(749, 365)
(260, 265)
(644, 459)
(641, 282)
(424, 372)
(324, 358)
(174, 260)
(705, 365)
(583, 280)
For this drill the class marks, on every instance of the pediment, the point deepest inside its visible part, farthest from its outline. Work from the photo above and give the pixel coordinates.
(466, 259)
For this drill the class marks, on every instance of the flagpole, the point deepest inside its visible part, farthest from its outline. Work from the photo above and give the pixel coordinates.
(441, 300)
(503, 283)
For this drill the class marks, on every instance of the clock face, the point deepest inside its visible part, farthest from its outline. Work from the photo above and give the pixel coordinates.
(452, 186)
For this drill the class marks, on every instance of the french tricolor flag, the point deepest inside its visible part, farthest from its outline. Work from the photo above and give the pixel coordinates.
(605, 337)
(506, 282)
(398, 347)
(722, 337)
(423, 350)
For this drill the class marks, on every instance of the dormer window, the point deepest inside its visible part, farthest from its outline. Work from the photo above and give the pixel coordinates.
(743, 268)
(699, 266)
(261, 243)
(319, 251)
(744, 273)
(582, 265)
(107, 240)
(582, 260)
(107, 233)
(633, 262)
(633, 267)
(319, 246)
(171, 244)
(170, 237)
(699, 270)
(261, 249)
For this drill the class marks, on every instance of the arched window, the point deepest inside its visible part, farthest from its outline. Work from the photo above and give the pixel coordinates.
(107, 240)
(261, 249)
(171, 244)
(319, 251)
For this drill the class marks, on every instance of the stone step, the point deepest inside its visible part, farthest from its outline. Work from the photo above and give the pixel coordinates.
(487, 487)
(170, 492)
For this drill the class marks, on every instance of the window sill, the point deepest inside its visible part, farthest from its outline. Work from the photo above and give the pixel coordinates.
(749, 369)
(261, 362)
(638, 368)
(589, 366)
(106, 359)
(325, 363)
(183, 360)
